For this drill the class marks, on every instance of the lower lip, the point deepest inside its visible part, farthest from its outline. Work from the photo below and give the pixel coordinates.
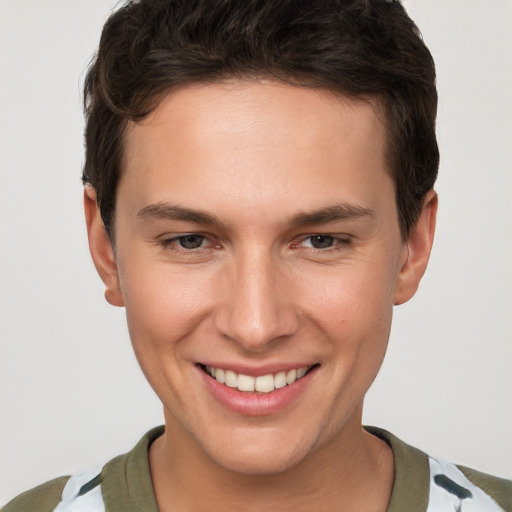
(256, 404)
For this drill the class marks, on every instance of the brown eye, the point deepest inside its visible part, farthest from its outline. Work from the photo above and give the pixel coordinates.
(191, 241)
(321, 241)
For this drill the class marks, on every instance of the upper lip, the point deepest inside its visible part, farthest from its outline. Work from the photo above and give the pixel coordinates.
(256, 371)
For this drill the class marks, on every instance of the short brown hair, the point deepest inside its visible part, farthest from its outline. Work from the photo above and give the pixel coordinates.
(359, 48)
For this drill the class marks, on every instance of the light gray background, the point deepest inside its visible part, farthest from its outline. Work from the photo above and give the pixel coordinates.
(71, 393)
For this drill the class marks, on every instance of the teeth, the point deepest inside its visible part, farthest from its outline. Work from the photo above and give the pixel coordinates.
(230, 379)
(261, 384)
(245, 383)
(291, 376)
(219, 375)
(280, 380)
(264, 383)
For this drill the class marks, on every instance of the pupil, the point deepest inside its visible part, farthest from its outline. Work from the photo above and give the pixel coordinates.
(191, 241)
(321, 241)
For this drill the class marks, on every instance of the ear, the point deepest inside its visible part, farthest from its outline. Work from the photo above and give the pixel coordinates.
(101, 249)
(416, 250)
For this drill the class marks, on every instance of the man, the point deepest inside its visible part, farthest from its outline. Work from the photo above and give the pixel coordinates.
(259, 195)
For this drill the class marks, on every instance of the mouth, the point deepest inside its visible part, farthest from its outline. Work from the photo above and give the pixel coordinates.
(262, 384)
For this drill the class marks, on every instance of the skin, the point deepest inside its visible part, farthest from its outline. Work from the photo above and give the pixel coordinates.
(259, 157)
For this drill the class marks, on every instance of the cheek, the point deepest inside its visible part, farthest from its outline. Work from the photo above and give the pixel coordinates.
(163, 305)
(350, 300)
(163, 310)
(354, 312)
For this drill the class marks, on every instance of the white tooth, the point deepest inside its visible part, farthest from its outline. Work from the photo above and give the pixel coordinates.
(208, 369)
(291, 376)
(301, 372)
(280, 380)
(230, 379)
(213, 371)
(219, 375)
(264, 383)
(245, 382)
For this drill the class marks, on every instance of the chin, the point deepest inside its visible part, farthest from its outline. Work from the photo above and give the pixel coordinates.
(261, 456)
(258, 464)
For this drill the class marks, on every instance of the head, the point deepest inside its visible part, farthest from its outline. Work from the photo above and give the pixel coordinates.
(366, 49)
(265, 170)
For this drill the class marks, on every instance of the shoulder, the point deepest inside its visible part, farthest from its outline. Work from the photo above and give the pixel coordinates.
(43, 498)
(427, 484)
(500, 489)
(124, 481)
(77, 493)
(458, 484)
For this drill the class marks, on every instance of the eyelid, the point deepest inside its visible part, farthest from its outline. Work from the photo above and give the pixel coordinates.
(167, 240)
(340, 241)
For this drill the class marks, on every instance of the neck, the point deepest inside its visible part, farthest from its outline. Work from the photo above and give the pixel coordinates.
(354, 471)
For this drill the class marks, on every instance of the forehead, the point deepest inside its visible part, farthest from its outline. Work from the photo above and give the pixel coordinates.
(298, 115)
(252, 140)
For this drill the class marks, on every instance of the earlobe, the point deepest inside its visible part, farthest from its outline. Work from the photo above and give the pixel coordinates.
(101, 249)
(416, 251)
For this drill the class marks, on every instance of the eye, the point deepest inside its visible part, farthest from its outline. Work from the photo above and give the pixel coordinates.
(190, 241)
(321, 241)
(184, 242)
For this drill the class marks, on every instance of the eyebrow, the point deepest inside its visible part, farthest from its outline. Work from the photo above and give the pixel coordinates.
(329, 214)
(173, 212)
(335, 213)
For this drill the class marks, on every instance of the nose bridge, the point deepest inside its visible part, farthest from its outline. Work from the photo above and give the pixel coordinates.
(257, 308)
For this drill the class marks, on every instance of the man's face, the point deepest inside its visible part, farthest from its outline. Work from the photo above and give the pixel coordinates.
(257, 234)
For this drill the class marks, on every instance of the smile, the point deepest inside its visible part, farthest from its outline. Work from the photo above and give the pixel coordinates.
(261, 384)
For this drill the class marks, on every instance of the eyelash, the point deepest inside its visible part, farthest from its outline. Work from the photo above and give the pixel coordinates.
(339, 243)
(167, 242)
(172, 243)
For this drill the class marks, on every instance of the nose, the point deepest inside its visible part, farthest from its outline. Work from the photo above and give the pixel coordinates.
(257, 307)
